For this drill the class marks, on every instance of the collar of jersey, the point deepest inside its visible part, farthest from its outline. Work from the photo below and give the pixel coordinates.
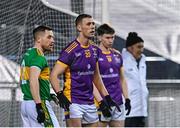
(108, 52)
(83, 46)
(39, 51)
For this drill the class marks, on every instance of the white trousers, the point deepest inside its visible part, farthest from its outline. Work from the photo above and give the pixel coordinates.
(29, 115)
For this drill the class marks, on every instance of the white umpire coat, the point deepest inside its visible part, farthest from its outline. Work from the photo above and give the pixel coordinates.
(136, 82)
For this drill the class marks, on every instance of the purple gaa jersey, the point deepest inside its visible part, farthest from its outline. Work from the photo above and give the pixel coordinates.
(109, 67)
(78, 76)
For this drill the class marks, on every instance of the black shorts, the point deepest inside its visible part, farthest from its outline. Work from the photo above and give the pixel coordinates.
(140, 121)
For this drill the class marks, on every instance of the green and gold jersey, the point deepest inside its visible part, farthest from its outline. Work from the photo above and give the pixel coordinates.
(34, 57)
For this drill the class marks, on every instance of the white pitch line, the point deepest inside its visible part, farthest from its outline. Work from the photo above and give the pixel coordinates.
(161, 99)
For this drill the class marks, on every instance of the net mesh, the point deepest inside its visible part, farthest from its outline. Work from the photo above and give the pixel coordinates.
(18, 18)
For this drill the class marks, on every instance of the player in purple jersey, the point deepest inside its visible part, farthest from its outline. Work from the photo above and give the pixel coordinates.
(111, 71)
(78, 62)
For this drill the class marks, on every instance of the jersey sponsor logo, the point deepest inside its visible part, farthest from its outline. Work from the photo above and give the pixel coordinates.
(86, 73)
(71, 47)
(109, 75)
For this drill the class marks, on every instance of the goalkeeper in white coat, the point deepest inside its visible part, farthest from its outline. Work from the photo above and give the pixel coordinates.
(135, 74)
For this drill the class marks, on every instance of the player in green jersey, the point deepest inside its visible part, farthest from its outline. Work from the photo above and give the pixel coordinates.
(36, 110)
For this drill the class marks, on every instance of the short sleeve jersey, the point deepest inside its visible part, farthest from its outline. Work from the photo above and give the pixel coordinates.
(109, 67)
(78, 76)
(33, 57)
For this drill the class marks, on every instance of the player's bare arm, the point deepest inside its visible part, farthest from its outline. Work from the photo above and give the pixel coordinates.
(125, 91)
(56, 71)
(34, 83)
(96, 94)
(59, 69)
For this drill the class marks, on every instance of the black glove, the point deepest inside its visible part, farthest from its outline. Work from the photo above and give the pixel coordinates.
(103, 107)
(128, 105)
(54, 98)
(112, 103)
(63, 101)
(40, 112)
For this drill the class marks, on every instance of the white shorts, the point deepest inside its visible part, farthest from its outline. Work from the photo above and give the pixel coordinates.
(88, 113)
(29, 115)
(116, 115)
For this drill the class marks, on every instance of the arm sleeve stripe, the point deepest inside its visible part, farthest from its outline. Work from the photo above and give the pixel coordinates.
(62, 64)
(36, 67)
(72, 46)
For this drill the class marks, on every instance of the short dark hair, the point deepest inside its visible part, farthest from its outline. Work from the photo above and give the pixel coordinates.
(105, 29)
(41, 28)
(81, 17)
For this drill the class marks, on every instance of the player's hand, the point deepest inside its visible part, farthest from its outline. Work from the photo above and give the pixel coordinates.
(128, 105)
(54, 98)
(111, 102)
(63, 101)
(103, 107)
(40, 112)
